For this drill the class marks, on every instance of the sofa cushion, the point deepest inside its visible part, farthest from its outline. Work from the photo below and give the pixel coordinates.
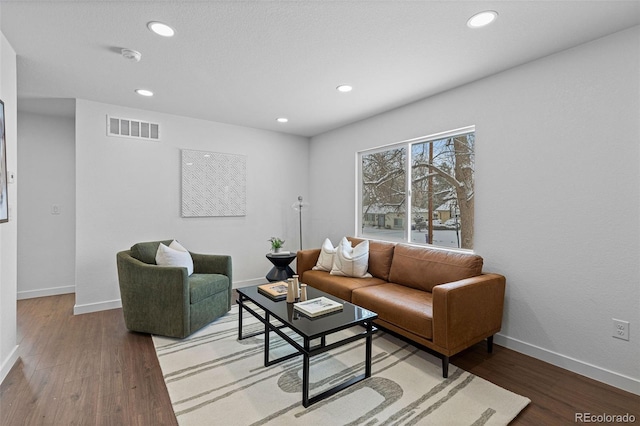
(405, 307)
(146, 252)
(202, 286)
(380, 255)
(351, 261)
(336, 285)
(423, 267)
(325, 259)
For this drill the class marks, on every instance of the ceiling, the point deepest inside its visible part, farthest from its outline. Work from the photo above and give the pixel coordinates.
(250, 62)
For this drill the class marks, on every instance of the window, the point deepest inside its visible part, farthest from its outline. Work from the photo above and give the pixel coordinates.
(421, 191)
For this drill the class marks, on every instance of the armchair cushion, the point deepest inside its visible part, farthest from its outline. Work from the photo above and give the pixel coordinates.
(202, 286)
(146, 252)
(174, 255)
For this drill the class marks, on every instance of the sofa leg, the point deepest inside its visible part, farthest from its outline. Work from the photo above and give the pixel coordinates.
(445, 366)
(490, 344)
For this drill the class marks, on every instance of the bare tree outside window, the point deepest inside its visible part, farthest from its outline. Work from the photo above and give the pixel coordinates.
(384, 193)
(438, 209)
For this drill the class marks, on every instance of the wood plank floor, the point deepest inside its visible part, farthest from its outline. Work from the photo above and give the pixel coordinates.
(89, 370)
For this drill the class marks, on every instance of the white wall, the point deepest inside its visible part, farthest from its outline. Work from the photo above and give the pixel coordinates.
(128, 191)
(46, 156)
(557, 196)
(8, 230)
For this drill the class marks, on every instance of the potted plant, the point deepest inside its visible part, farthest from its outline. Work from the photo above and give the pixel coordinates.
(276, 244)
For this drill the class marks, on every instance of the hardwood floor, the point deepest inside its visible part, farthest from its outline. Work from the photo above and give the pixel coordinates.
(89, 370)
(81, 370)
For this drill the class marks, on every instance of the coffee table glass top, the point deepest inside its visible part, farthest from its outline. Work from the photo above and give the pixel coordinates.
(312, 328)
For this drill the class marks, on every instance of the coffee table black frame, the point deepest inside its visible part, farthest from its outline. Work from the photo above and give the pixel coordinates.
(309, 329)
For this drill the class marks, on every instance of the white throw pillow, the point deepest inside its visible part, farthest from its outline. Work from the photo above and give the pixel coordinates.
(325, 260)
(351, 262)
(174, 255)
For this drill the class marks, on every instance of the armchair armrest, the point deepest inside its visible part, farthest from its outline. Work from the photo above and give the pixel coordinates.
(215, 264)
(212, 264)
(467, 311)
(305, 260)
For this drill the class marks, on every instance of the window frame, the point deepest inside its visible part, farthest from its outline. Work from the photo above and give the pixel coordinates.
(407, 145)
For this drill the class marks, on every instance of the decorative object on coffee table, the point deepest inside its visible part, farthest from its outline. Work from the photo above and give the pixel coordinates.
(318, 306)
(276, 290)
(303, 292)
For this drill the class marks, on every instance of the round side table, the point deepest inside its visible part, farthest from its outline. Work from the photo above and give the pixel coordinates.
(281, 270)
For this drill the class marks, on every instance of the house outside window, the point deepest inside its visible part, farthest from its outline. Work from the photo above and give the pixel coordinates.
(402, 185)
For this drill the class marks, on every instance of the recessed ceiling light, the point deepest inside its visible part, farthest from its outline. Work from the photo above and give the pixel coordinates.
(161, 29)
(144, 92)
(344, 88)
(282, 120)
(482, 19)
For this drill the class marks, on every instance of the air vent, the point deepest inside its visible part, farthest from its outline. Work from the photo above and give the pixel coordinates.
(130, 128)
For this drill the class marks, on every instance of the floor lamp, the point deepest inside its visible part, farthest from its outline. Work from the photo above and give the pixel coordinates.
(298, 205)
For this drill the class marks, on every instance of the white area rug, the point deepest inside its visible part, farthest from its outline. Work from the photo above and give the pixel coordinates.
(214, 379)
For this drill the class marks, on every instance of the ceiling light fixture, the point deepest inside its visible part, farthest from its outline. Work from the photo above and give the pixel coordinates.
(482, 19)
(282, 120)
(344, 88)
(144, 92)
(161, 29)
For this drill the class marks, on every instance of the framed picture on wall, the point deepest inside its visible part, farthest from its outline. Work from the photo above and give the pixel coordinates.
(4, 203)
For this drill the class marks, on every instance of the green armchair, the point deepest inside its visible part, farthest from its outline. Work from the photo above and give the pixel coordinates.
(164, 300)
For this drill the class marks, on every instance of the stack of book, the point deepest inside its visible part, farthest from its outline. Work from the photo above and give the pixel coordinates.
(318, 306)
(275, 291)
(281, 253)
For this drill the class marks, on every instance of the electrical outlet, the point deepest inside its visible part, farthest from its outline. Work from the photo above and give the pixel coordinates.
(620, 329)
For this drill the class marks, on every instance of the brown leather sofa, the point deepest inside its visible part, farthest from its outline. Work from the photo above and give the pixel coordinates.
(437, 298)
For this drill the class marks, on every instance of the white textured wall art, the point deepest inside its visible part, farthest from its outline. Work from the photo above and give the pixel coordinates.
(213, 184)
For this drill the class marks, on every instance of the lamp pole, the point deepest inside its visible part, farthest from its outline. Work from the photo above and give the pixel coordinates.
(300, 217)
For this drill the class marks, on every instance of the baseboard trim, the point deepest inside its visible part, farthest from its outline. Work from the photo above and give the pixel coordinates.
(53, 291)
(8, 364)
(591, 371)
(96, 307)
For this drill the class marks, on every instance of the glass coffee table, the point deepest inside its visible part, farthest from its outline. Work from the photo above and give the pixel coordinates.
(309, 329)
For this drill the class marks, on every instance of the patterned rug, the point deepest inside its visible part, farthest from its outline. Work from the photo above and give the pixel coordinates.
(214, 379)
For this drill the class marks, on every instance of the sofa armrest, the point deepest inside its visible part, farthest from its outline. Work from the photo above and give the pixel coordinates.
(153, 296)
(467, 311)
(305, 260)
